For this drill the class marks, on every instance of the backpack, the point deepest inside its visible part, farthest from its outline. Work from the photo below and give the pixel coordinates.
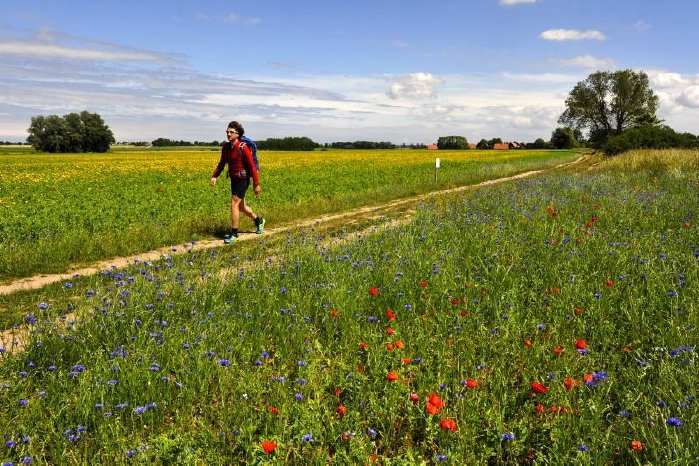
(253, 148)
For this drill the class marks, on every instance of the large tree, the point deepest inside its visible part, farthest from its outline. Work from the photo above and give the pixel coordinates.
(84, 132)
(452, 142)
(607, 103)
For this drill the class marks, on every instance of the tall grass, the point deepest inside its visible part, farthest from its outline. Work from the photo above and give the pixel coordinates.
(550, 320)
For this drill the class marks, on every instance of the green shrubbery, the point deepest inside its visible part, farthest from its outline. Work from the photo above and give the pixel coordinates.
(650, 137)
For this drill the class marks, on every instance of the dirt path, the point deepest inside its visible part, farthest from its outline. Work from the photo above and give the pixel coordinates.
(38, 281)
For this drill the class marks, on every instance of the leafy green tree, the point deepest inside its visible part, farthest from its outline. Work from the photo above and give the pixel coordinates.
(84, 132)
(564, 138)
(452, 142)
(483, 144)
(607, 103)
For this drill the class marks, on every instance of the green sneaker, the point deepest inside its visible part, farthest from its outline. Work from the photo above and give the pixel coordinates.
(228, 239)
(261, 227)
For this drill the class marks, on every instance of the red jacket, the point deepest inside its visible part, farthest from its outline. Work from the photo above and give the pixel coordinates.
(237, 168)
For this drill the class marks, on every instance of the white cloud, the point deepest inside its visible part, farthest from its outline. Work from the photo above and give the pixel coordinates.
(641, 25)
(235, 18)
(515, 2)
(665, 80)
(414, 86)
(689, 97)
(587, 62)
(571, 34)
(53, 51)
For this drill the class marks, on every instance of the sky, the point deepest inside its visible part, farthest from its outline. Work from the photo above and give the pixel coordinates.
(403, 71)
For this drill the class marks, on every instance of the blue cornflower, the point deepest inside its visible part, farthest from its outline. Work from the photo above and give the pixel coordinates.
(625, 413)
(583, 448)
(265, 354)
(139, 409)
(302, 381)
(509, 436)
(441, 458)
(540, 326)
(307, 438)
(23, 403)
(661, 404)
(302, 363)
(299, 397)
(130, 453)
(112, 382)
(371, 432)
(674, 421)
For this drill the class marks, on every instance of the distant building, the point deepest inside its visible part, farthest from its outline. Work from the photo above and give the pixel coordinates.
(432, 147)
(472, 145)
(501, 146)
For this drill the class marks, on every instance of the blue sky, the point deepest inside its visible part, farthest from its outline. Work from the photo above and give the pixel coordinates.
(403, 71)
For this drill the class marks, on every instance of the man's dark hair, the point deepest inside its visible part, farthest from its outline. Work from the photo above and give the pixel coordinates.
(238, 127)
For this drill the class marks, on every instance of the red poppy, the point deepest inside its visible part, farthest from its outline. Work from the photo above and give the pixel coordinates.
(539, 408)
(448, 424)
(373, 291)
(363, 345)
(578, 311)
(609, 283)
(392, 376)
(423, 284)
(539, 388)
(588, 378)
(435, 400)
(570, 383)
(463, 313)
(558, 351)
(273, 409)
(414, 397)
(338, 391)
(636, 445)
(341, 410)
(470, 383)
(581, 344)
(406, 360)
(432, 409)
(390, 331)
(434, 404)
(334, 313)
(389, 346)
(455, 301)
(399, 344)
(391, 315)
(527, 342)
(268, 446)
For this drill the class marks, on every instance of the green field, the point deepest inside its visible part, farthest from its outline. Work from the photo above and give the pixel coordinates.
(68, 209)
(546, 320)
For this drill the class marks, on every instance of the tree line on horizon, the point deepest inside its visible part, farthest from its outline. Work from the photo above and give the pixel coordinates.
(616, 110)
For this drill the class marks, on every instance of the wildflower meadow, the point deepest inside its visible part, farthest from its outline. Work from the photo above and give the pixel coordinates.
(545, 320)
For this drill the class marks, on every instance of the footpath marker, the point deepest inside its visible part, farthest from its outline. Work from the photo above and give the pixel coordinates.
(436, 169)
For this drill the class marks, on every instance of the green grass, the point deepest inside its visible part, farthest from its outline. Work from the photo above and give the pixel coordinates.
(70, 209)
(488, 286)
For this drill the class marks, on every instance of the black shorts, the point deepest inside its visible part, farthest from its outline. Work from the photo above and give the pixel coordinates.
(239, 186)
